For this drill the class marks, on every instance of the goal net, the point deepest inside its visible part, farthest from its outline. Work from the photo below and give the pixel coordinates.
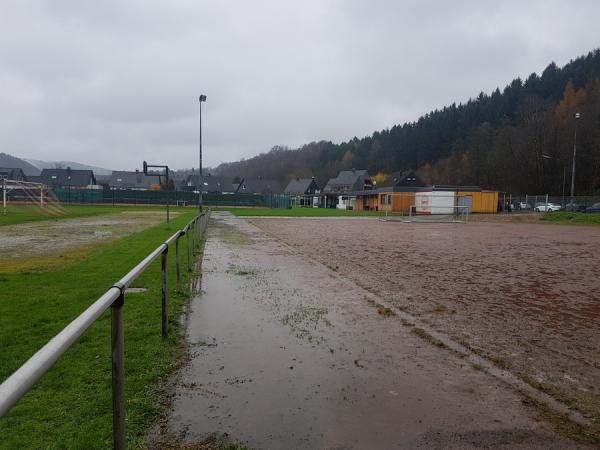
(440, 207)
(29, 194)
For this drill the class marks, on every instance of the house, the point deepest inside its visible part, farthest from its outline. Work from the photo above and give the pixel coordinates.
(404, 181)
(383, 198)
(68, 177)
(121, 179)
(259, 186)
(302, 186)
(303, 190)
(212, 184)
(348, 181)
(12, 173)
(339, 191)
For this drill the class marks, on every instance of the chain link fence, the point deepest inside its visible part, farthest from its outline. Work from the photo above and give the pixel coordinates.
(179, 198)
(545, 203)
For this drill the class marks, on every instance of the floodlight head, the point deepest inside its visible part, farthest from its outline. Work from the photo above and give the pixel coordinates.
(145, 168)
(202, 98)
(577, 115)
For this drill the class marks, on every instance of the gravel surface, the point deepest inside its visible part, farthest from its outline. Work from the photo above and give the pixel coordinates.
(525, 296)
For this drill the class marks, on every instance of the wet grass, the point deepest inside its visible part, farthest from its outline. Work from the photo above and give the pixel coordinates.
(304, 320)
(70, 407)
(31, 213)
(51, 261)
(572, 218)
(580, 433)
(420, 332)
(383, 311)
(588, 434)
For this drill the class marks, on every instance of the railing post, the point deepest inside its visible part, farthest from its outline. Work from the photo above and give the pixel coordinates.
(118, 373)
(178, 264)
(165, 293)
(194, 236)
(189, 260)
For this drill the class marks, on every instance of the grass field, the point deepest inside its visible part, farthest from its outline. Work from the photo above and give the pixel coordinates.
(32, 213)
(572, 218)
(70, 407)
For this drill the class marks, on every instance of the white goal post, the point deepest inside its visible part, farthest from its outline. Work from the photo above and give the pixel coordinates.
(429, 206)
(440, 214)
(30, 192)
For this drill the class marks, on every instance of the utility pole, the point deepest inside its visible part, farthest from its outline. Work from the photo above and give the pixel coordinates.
(202, 98)
(577, 116)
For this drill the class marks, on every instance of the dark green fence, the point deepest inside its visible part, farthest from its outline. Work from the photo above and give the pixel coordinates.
(181, 198)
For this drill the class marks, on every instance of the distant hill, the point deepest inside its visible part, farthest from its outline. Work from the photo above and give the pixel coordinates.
(64, 164)
(7, 160)
(518, 140)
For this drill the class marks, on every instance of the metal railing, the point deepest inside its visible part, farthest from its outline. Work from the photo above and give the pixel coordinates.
(24, 378)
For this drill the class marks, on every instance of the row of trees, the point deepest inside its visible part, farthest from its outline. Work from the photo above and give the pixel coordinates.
(518, 140)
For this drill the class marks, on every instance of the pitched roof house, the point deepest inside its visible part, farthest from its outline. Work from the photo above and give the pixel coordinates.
(12, 173)
(259, 186)
(121, 179)
(404, 181)
(302, 186)
(68, 177)
(211, 184)
(348, 181)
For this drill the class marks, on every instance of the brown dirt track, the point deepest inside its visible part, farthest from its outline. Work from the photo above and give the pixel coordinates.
(525, 296)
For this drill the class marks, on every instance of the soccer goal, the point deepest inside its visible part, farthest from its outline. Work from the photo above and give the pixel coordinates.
(18, 192)
(440, 214)
(436, 206)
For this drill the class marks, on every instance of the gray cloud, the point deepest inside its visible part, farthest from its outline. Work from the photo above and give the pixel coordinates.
(111, 83)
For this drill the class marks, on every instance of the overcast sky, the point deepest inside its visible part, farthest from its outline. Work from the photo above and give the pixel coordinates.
(111, 83)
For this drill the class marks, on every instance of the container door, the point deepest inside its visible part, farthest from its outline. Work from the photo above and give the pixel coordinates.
(466, 200)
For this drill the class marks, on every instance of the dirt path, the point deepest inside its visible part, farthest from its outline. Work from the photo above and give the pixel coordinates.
(286, 354)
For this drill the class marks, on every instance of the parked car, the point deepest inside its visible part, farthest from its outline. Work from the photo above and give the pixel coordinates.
(574, 207)
(546, 207)
(518, 206)
(595, 208)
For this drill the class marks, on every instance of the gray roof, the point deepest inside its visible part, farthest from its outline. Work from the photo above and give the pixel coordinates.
(259, 186)
(347, 180)
(212, 183)
(299, 186)
(67, 177)
(407, 179)
(136, 180)
(13, 173)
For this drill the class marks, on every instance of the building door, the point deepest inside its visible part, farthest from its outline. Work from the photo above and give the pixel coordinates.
(465, 200)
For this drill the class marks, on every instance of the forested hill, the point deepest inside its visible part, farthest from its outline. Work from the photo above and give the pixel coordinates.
(494, 140)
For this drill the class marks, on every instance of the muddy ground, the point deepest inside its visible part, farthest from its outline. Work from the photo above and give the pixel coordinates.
(47, 238)
(287, 353)
(526, 296)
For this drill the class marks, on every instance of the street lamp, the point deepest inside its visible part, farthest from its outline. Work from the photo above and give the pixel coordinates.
(202, 99)
(577, 116)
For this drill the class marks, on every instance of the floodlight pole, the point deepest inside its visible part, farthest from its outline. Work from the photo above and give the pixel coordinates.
(577, 116)
(201, 99)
